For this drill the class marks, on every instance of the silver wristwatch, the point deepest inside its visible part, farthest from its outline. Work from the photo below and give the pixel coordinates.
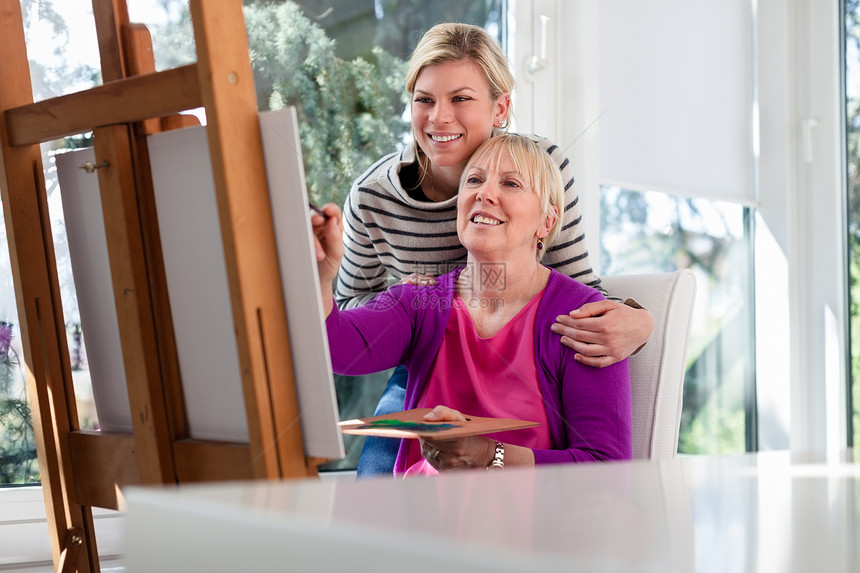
(498, 458)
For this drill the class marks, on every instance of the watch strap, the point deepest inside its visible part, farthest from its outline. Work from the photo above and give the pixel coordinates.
(498, 457)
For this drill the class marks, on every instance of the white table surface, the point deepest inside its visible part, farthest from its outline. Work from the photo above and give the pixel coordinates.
(765, 512)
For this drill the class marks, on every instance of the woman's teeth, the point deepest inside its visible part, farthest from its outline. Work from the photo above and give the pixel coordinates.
(443, 138)
(485, 220)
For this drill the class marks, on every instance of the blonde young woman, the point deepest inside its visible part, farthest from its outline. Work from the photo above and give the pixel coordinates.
(485, 348)
(400, 216)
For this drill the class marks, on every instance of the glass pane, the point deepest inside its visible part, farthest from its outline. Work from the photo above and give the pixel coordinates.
(169, 23)
(655, 232)
(342, 65)
(18, 464)
(852, 115)
(76, 338)
(61, 45)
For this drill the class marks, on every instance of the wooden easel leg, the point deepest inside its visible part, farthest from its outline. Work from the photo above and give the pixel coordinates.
(37, 289)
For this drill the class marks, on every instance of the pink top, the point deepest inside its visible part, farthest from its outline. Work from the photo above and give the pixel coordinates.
(492, 377)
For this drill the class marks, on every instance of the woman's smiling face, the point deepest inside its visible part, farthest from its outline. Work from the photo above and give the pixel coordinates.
(453, 112)
(498, 213)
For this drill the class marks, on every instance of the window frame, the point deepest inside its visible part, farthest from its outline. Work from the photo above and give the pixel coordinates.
(802, 190)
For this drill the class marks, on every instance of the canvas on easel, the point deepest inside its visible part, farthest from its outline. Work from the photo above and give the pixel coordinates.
(197, 282)
(198, 287)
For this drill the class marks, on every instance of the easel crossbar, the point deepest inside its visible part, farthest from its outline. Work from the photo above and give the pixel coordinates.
(127, 100)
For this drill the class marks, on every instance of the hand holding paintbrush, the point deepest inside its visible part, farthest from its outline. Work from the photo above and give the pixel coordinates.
(327, 227)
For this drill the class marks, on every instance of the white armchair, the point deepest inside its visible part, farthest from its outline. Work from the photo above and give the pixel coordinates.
(657, 371)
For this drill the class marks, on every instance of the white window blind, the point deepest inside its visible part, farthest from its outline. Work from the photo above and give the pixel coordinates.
(676, 97)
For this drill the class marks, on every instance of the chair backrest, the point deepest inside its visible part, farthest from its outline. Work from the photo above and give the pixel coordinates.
(657, 371)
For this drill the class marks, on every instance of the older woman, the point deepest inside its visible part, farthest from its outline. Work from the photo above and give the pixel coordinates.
(478, 341)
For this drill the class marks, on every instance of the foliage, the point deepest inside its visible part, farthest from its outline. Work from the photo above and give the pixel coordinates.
(852, 39)
(173, 42)
(17, 441)
(349, 111)
(854, 297)
(43, 11)
(716, 430)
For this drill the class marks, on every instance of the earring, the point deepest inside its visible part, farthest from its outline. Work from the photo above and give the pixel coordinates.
(540, 244)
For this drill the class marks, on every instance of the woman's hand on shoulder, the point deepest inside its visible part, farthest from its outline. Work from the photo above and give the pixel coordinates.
(604, 332)
(418, 279)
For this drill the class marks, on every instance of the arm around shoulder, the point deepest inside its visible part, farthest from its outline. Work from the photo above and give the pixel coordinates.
(589, 409)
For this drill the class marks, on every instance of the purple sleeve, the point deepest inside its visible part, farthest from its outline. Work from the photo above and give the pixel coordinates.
(596, 414)
(588, 409)
(373, 337)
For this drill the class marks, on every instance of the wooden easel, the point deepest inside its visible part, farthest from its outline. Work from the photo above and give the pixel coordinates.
(82, 469)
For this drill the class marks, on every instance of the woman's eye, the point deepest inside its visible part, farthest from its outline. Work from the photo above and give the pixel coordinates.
(461, 98)
(473, 180)
(513, 184)
(423, 100)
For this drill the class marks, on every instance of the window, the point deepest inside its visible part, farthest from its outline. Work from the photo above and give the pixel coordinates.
(852, 113)
(646, 232)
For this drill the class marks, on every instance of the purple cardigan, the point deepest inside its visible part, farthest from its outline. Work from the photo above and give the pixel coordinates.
(588, 409)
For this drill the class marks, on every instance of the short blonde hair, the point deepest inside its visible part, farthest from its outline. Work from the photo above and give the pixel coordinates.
(452, 42)
(532, 162)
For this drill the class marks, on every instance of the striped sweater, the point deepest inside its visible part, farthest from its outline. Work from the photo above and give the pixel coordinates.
(389, 235)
